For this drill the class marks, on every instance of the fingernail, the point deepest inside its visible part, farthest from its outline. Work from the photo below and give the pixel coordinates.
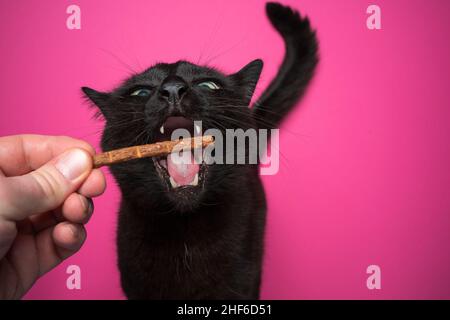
(90, 206)
(73, 164)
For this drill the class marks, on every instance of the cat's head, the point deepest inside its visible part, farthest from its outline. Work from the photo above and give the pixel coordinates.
(149, 106)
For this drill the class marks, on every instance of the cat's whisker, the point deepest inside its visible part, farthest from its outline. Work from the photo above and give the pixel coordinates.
(284, 159)
(262, 120)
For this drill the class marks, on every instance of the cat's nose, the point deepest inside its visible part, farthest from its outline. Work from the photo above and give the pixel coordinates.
(173, 89)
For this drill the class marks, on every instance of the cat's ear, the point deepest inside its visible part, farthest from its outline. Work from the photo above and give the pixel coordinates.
(100, 99)
(248, 77)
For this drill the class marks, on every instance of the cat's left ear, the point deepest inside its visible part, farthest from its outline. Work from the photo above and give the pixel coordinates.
(100, 99)
(248, 77)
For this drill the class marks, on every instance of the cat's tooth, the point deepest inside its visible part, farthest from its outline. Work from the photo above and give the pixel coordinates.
(206, 157)
(173, 183)
(195, 181)
(161, 129)
(163, 163)
(197, 128)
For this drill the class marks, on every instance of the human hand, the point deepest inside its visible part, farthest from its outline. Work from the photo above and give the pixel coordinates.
(46, 186)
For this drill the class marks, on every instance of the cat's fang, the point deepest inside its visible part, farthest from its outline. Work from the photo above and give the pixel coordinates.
(206, 157)
(173, 183)
(161, 129)
(163, 163)
(197, 128)
(195, 181)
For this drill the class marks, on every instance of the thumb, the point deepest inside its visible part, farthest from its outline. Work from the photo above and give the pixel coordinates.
(45, 188)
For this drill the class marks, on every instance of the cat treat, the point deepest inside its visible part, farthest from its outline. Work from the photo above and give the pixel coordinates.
(150, 150)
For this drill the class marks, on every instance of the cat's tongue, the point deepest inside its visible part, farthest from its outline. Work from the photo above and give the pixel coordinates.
(182, 169)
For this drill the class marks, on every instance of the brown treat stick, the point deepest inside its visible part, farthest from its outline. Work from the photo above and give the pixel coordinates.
(149, 150)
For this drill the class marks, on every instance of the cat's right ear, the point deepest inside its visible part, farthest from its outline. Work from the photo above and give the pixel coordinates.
(100, 99)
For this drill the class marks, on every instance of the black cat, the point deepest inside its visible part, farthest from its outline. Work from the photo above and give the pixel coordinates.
(197, 232)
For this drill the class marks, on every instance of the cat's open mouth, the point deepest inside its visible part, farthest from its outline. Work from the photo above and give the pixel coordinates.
(183, 171)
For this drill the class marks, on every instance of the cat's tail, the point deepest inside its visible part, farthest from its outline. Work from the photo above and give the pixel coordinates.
(296, 71)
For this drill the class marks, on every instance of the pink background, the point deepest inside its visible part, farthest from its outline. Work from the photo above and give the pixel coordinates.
(364, 177)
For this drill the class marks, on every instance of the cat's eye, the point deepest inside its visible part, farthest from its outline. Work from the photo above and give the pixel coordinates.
(211, 85)
(143, 92)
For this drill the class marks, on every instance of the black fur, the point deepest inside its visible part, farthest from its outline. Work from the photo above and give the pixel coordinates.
(296, 71)
(204, 242)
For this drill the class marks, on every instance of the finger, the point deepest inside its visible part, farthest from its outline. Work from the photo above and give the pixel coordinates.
(24, 153)
(94, 185)
(68, 238)
(8, 232)
(77, 209)
(45, 188)
(58, 243)
(39, 222)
